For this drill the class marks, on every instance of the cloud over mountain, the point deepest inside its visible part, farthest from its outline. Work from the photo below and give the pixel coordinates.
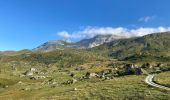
(90, 32)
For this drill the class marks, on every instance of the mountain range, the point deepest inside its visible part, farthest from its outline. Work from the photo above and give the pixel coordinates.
(152, 46)
(82, 44)
(116, 46)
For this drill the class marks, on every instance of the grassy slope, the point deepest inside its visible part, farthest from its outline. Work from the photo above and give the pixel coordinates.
(163, 79)
(154, 46)
(64, 58)
(129, 87)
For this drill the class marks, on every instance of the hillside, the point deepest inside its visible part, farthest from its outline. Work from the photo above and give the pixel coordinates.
(93, 73)
(153, 45)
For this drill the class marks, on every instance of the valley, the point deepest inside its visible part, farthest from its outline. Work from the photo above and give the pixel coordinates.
(114, 70)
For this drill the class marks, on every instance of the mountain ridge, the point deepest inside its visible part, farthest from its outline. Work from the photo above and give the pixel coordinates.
(82, 44)
(157, 44)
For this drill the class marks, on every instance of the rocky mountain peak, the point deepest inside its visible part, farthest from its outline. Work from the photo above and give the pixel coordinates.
(85, 43)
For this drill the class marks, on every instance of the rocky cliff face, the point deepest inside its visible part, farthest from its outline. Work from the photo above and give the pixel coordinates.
(98, 40)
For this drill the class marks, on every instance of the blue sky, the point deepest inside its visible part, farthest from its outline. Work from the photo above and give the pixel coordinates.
(25, 24)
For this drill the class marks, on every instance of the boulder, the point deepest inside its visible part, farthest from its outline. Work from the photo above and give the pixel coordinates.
(93, 74)
(75, 89)
(51, 81)
(20, 82)
(37, 77)
(72, 81)
(157, 69)
(28, 73)
(34, 78)
(27, 89)
(90, 75)
(100, 74)
(43, 72)
(129, 67)
(72, 74)
(146, 65)
(138, 71)
(33, 69)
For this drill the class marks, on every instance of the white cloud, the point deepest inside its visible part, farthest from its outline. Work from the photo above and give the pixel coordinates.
(147, 18)
(64, 34)
(144, 31)
(90, 32)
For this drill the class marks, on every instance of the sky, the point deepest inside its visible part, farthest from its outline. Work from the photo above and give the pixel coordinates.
(25, 24)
